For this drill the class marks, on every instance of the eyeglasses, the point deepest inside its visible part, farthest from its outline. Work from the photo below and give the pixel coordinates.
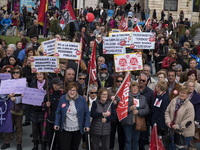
(81, 78)
(173, 65)
(174, 53)
(119, 81)
(142, 80)
(72, 90)
(93, 92)
(178, 70)
(7, 71)
(17, 72)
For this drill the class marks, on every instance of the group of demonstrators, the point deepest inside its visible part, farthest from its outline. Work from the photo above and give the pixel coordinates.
(75, 108)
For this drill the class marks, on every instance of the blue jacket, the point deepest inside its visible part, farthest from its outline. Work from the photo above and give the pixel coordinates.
(82, 109)
(6, 21)
(22, 55)
(110, 13)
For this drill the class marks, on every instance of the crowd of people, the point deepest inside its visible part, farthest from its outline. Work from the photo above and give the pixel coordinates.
(74, 109)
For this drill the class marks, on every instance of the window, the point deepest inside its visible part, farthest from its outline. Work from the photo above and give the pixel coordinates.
(173, 4)
(195, 7)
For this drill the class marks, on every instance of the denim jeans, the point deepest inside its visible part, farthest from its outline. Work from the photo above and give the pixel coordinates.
(5, 29)
(187, 142)
(131, 137)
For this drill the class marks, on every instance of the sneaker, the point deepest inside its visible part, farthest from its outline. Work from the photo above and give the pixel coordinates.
(19, 147)
(4, 146)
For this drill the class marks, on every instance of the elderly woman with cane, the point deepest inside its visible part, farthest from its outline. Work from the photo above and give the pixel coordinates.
(72, 118)
(102, 115)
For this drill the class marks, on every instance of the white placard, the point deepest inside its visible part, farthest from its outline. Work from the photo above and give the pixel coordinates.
(68, 50)
(48, 47)
(113, 45)
(143, 40)
(128, 62)
(45, 64)
(126, 35)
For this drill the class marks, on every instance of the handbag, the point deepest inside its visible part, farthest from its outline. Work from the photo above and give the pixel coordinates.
(140, 123)
(179, 140)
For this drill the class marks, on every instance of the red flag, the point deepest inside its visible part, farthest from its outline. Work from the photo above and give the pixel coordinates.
(147, 23)
(123, 95)
(137, 29)
(42, 11)
(155, 143)
(123, 25)
(68, 15)
(92, 66)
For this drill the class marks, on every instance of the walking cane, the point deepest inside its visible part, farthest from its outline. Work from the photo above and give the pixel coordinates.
(89, 141)
(54, 134)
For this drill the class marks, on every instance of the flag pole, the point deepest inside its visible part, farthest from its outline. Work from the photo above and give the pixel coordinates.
(77, 71)
(65, 74)
(88, 83)
(46, 78)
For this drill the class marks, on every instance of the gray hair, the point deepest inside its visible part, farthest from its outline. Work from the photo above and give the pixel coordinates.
(13, 47)
(92, 87)
(143, 75)
(147, 66)
(28, 45)
(82, 74)
(179, 66)
(34, 21)
(103, 58)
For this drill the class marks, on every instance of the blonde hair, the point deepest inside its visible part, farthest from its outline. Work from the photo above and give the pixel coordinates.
(161, 72)
(184, 89)
(171, 51)
(162, 85)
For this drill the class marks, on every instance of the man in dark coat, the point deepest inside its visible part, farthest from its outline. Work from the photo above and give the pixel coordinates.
(103, 77)
(149, 95)
(33, 31)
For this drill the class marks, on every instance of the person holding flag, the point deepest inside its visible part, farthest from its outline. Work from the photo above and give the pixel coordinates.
(137, 105)
(102, 115)
(116, 124)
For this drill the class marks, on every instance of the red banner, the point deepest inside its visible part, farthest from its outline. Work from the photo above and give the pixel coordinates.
(147, 23)
(123, 95)
(123, 25)
(137, 29)
(92, 66)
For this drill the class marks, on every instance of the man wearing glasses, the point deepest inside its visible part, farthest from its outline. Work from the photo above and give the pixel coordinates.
(81, 80)
(149, 95)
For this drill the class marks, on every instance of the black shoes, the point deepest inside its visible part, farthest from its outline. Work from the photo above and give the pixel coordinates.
(26, 124)
(19, 147)
(4, 146)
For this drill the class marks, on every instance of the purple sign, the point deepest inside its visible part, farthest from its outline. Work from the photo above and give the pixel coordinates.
(13, 86)
(33, 96)
(5, 76)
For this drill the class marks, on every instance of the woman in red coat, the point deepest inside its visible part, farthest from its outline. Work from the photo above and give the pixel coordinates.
(14, 24)
(171, 56)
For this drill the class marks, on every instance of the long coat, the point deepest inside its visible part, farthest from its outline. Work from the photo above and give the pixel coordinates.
(195, 100)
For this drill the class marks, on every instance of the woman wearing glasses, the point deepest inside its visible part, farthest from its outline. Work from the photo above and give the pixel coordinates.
(116, 124)
(6, 69)
(141, 109)
(72, 118)
(102, 115)
(171, 56)
(16, 111)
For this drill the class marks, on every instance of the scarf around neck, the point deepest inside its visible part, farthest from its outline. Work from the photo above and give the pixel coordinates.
(40, 85)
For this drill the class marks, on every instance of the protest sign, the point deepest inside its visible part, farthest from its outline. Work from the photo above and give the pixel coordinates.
(113, 45)
(68, 50)
(128, 62)
(5, 76)
(13, 86)
(116, 30)
(126, 35)
(143, 40)
(48, 47)
(45, 64)
(33, 96)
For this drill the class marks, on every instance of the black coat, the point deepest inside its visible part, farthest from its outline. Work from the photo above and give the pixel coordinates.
(5, 61)
(28, 74)
(158, 113)
(54, 97)
(33, 31)
(108, 83)
(36, 112)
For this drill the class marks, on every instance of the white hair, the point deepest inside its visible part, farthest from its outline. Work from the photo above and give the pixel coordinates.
(144, 75)
(92, 87)
(13, 47)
